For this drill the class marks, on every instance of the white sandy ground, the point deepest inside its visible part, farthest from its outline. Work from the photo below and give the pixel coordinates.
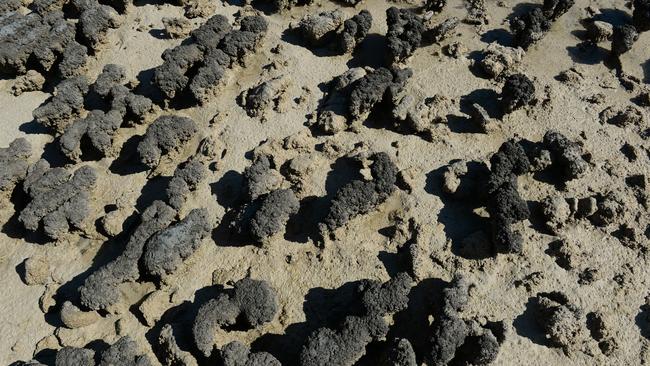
(354, 253)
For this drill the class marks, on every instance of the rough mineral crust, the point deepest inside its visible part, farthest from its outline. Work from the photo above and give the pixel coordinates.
(66, 104)
(166, 250)
(198, 67)
(177, 27)
(505, 205)
(260, 178)
(497, 59)
(100, 290)
(346, 343)
(404, 34)
(459, 341)
(518, 91)
(360, 196)
(33, 39)
(566, 155)
(31, 81)
(253, 302)
(13, 160)
(166, 135)
(354, 31)
(623, 38)
(372, 88)
(95, 20)
(562, 321)
(171, 353)
(273, 214)
(530, 28)
(98, 128)
(270, 94)
(238, 354)
(317, 28)
(124, 352)
(71, 356)
(59, 199)
(186, 179)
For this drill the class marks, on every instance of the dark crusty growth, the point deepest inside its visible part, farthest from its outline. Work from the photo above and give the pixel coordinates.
(68, 101)
(238, 354)
(518, 91)
(95, 20)
(354, 31)
(623, 39)
(197, 67)
(185, 180)
(399, 352)
(124, 352)
(504, 203)
(99, 128)
(34, 40)
(435, 6)
(554, 9)
(59, 199)
(458, 341)
(259, 178)
(347, 343)
(166, 250)
(273, 214)
(13, 160)
(360, 196)
(404, 34)
(72, 356)
(371, 89)
(530, 28)
(167, 134)
(566, 155)
(253, 302)
(100, 290)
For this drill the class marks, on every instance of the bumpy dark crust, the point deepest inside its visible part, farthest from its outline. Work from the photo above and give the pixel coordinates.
(404, 33)
(124, 352)
(273, 214)
(41, 38)
(530, 28)
(59, 199)
(360, 197)
(623, 39)
(518, 91)
(554, 9)
(371, 89)
(199, 67)
(238, 354)
(68, 101)
(253, 301)
(71, 356)
(454, 339)
(166, 250)
(185, 180)
(566, 155)
(354, 31)
(165, 135)
(100, 290)
(13, 160)
(347, 343)
(504, 204)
